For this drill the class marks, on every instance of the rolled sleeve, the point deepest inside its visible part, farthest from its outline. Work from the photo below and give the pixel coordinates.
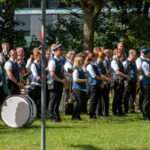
(34, 72)
(8, 66)
(138, 63)
(146, 68)
(91, 71)
(75, 75)
(51, 65)
(114, 65)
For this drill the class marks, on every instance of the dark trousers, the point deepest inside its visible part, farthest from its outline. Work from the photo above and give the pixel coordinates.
(94, 97)
(129, 97)
(13, 89)
(103, 103)
(47, 96)
(2, 95)
(37, 98)
(79, 99)
(141, 97)
(146, 102)
(55, 99)
(118, 96)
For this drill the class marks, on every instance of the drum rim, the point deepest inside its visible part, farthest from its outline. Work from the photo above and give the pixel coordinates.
(10, 96)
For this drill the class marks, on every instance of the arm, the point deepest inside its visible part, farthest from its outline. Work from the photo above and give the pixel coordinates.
(52, 74)
(122, 75)
(10, 76)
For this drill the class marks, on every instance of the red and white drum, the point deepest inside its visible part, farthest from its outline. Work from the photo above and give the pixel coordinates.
(18, 111)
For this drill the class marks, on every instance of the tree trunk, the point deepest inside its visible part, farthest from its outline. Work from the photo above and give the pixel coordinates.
(146, 9)
(88, 32)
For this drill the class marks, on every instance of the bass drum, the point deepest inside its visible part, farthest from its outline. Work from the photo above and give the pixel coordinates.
(18, 111)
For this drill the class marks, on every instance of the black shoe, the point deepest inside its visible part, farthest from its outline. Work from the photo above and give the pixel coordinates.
(93, 117)
(59, 119)
(120, 114)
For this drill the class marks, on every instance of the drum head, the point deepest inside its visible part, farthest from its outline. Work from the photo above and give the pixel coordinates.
(15, 111)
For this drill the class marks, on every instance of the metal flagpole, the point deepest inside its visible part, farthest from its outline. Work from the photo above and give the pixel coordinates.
(43, 88)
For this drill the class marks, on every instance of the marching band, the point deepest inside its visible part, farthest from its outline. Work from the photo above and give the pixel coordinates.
(81, 77)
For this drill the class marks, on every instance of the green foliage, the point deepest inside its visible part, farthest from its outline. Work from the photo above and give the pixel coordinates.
(138, 33)
(8, 24)
(109, 30)
(67, 32)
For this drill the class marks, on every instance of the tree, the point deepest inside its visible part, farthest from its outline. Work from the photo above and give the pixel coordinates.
(8, 23)
(91, 10)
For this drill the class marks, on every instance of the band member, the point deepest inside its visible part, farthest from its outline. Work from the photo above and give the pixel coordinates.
(68, 69)
(96, 50)
(139, 68)
(146, 84)
(130, 89)
(36, 81)
(103, 104)
(12, 70)
(94, 79)
(118, 79)
(20, 52)
(120, 48)
(57, 79)
(3, 84)
(79, 87)
(47, 56)
(5, 52)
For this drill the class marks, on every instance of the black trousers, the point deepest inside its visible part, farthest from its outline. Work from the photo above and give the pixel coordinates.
(47, 96)
(129, 97)
(103, 103)
(146, 102)
(36, 96)
(55, 99)
(95, 92)
(2, 95)
(13, 89)
(80, 97)
(118, 96)
(141, 97)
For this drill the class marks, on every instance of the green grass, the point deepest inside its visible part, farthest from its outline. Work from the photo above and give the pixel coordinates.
(112, 133)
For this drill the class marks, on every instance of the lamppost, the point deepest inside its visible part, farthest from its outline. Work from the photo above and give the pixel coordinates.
(43, 88)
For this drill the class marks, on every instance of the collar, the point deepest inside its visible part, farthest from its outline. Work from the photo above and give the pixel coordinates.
(58, 58)
(12, 60)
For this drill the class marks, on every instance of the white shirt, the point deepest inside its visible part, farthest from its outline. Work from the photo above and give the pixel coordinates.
(114, 65)
(91, 70)
(35, 73)
(139, 62)
(146, 67)
(29, 62)
(8, 65)
(52, 64)
(75, 75)
(67, 65)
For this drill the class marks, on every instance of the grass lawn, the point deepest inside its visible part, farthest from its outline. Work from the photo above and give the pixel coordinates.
(112, 133)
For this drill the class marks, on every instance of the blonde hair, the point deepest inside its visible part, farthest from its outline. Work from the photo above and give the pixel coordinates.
(132, 52)
(19, 58)
(101, 55)
(12, 52)
(35, 55)
(107, 51)
(89, 58)
(78, 62)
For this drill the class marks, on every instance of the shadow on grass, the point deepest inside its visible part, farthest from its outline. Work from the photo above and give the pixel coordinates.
(85, 147)
(91, 147)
